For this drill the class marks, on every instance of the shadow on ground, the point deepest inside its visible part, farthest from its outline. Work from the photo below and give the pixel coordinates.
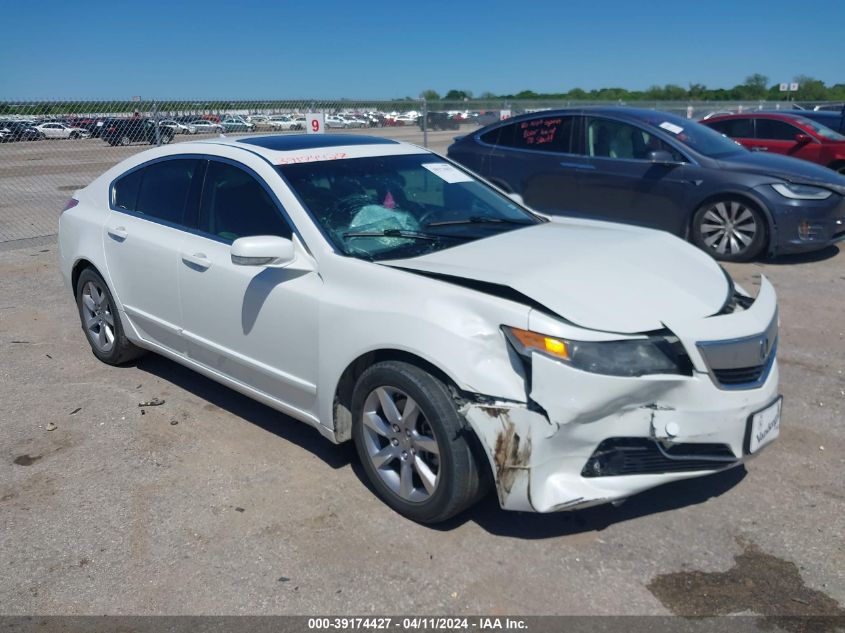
(487, 513)
(804, 258)
(248, 409)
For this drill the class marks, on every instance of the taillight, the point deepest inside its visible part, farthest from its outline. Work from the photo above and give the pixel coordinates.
(70, 204)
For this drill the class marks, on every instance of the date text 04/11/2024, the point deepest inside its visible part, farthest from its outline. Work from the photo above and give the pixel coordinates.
(417, 623)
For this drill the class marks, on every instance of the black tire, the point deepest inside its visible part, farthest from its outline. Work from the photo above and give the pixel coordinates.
(838, 167)
(459, 481)
(74, 135)
(121, 350)
(730, 229)
(125, 140)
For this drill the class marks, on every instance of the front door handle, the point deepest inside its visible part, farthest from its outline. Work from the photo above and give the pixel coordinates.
(118, 232)
(759, 149)
(197, 260)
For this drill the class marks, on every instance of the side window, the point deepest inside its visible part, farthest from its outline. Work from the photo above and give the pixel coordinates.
(502, 135)
(548, 134)
(735, 128)
(551, 134)
(614, 139)
(234, 204)
(164, 189)
(125, 191)
(772, 130)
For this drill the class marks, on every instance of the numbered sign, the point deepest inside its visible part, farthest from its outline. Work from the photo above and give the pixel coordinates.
(315, 123)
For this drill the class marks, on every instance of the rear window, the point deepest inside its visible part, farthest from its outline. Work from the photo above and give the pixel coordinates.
(735, 128)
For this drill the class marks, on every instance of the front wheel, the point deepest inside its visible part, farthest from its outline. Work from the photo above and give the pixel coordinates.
(730, 230)
(125, 140)
(101, 321)
(413, 443)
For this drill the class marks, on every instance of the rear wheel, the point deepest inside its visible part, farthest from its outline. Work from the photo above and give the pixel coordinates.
(101, 321)
(125, 140)
(413, 443)
(729, 229)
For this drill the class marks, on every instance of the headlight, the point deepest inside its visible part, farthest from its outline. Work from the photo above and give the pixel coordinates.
(637, 357)
(802, 192)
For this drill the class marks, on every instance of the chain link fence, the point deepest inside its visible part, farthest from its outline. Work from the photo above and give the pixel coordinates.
(50, 149)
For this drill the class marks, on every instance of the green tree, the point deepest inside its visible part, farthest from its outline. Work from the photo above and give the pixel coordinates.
(697, 91)
(430, 95)
(457, 95)
(756, 86)
(810, 89)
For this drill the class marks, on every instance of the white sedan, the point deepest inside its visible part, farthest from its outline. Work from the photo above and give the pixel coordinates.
(336, 122)
(204, 126)
(384, 295)
(285, 122)
(177, 127)
(62, 130)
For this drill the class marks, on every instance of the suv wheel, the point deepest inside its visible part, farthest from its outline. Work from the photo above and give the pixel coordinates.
(125, 140)
(730, 229)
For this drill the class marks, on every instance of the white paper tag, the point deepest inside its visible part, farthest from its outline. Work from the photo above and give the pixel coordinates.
(671, 127)
(447, 172)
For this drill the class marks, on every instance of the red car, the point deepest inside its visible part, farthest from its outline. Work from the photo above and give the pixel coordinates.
(787, 134)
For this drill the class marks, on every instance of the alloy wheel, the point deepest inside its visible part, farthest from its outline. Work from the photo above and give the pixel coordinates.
(400, 444)
(728, 227)
(98, 317)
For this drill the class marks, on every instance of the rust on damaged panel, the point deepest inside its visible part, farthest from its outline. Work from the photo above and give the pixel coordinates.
(511, 455)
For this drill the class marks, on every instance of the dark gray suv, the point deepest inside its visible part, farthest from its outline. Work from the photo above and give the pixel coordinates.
(656, 169)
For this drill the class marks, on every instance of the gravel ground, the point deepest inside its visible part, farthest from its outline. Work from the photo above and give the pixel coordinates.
(214, 504)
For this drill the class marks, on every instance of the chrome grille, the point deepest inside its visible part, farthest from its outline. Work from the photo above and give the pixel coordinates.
(742, 363)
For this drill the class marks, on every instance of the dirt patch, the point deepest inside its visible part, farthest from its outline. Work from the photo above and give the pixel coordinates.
(26, 460)
(759, 583)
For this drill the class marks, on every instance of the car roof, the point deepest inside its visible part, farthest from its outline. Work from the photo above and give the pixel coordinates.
(786, 117)
(622, 112)
(281, 149)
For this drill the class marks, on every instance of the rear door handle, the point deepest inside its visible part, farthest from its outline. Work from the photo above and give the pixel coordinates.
(118, 232)
(197, 260)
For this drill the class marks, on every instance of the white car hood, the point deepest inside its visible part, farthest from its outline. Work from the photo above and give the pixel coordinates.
(597, 275)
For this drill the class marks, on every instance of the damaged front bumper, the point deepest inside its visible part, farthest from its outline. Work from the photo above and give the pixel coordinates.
(585, 439)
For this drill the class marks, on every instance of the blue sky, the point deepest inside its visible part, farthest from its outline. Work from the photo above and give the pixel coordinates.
(386, 49)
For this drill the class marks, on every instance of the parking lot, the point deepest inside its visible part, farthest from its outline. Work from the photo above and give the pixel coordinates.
(211, 503)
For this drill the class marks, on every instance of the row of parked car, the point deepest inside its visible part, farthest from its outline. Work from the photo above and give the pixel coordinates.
(126, 130)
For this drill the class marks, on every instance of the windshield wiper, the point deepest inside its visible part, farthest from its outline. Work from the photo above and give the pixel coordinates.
(478, 219)
(414, 235)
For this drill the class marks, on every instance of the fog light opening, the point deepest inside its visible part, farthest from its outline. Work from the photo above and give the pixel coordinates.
(804, 229)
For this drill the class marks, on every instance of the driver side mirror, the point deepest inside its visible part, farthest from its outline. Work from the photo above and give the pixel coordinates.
(803, 139)
(517, 198)
(263, 250)
(661, 156)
